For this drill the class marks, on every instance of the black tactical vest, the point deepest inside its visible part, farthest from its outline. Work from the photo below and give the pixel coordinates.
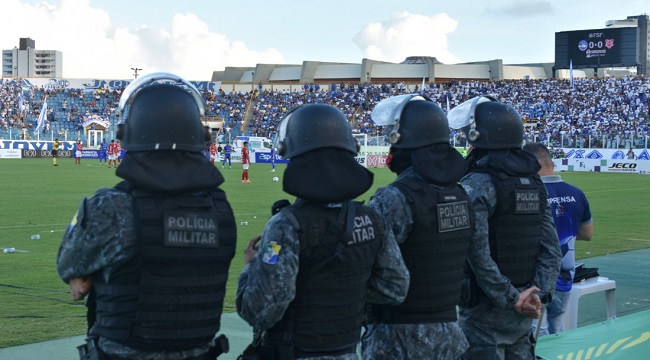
(170, 296)
(434, 253)
(515, 226)
(337, 251)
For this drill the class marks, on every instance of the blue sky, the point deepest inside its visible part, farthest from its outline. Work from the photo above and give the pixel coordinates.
(106, 38)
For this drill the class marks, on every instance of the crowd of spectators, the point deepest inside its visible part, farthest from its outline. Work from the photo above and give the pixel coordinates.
(67, 109)
(11, 107)
(594, 112)
(603, 112)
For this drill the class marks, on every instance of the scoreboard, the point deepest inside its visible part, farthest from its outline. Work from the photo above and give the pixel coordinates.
(597, 48)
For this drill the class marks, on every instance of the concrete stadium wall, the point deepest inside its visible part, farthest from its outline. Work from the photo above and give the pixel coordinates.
(233, 74)
(399, 71)
(290, 73)
(333, 72)
(369, 70)
(462, 71)
(520, 72)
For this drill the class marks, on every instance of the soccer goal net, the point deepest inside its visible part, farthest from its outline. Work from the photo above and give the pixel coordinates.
(362, 156)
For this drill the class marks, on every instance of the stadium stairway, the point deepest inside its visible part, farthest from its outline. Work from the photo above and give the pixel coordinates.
(630, 270)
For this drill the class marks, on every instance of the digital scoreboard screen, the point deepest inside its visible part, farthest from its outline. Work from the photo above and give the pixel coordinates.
(596, 48)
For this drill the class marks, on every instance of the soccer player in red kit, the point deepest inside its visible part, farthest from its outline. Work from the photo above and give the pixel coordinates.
(213, 153)
(77, 152)
(118, 149)
(112, 154)
(245, 160)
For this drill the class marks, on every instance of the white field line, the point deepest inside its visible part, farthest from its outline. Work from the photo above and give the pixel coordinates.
(614, 190)
(31, 226)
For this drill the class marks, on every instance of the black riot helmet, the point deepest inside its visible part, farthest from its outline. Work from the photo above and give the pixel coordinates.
(488, 124)
(162, 111)
(314, 126)
(411, 121)
(499, 127)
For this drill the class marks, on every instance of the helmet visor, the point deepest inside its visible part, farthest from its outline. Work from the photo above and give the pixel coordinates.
(157, 78)
(463, 114)
(281, 133)
(388, 111)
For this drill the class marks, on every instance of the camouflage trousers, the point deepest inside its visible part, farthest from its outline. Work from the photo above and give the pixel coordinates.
(496, 334)
(444, 340)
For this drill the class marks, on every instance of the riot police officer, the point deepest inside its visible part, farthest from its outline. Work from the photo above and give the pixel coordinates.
(308, 276)
(516, 257)
(155, 249)
(429, 213)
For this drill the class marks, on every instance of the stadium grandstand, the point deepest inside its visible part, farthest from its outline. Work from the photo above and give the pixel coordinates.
(590, 112)
(595, 94)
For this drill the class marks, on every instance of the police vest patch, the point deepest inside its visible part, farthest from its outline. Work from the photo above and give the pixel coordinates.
(453, 216)
(363, 231)
(527, 202)
(187, 229)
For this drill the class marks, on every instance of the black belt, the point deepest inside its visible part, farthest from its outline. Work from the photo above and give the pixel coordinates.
(302, 353)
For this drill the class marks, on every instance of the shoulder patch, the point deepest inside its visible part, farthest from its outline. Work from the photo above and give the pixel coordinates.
(78, 217)
(73, 223)
(271, 253)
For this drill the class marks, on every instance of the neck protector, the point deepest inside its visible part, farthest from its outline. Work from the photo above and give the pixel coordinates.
(326, 175)
(169, 171)
(439, 164)
(516, 162)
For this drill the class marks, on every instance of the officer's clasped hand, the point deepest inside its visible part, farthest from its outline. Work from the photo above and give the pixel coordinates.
(529, 303)
(251, 249)
(80, 286)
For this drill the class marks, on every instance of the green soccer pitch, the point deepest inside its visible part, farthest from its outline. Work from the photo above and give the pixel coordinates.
(38, 198)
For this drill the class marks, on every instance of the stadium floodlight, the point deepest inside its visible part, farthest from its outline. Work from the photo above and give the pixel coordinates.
(135, 72)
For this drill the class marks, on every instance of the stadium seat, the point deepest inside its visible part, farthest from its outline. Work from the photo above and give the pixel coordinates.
(586, 287)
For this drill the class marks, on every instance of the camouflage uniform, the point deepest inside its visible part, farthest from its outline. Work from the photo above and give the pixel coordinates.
(493, 328)
(439, 340)
(102, 236)
(266, 288)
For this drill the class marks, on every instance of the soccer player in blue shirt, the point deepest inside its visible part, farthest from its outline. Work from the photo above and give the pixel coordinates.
(103, 152)
(227, 150)
(572, 217)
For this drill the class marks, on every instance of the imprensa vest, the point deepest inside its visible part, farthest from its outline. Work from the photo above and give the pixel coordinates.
(338, 247)
(171, 295)
(515, 226)
(434, 253)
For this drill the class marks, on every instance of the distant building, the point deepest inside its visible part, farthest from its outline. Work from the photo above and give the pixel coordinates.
(643, 45)
(414, 70)
(26, 61)
(633, 40)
